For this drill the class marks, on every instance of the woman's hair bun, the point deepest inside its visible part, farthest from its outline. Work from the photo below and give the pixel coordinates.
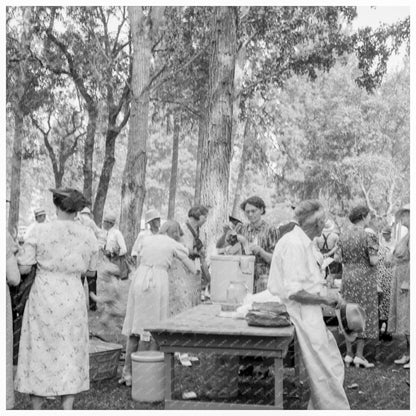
(69, 200)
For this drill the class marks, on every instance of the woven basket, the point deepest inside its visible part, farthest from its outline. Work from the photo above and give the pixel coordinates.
(104, 358)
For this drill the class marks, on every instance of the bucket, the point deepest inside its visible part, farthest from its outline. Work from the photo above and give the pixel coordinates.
(148, 376)
(224, 269)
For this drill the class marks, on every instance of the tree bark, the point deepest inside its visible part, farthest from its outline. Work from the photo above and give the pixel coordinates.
(242, 168)
(105, 177)
(16, 171)
(216, 157)
(199, 152)
(89, 151)
(133, 189)
(174, 169)
(19, 114)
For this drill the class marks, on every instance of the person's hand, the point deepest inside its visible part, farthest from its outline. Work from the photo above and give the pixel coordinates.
(255, 249)
(332, 300)
(241, 239)
(226, 228)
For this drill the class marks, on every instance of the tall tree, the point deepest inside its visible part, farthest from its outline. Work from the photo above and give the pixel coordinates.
(24, 93)
(174, 169)
(61, 135)
(216, 156)
(144, 24)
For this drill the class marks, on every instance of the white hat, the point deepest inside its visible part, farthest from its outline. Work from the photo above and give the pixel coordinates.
(329, 226)
(402, 209)
(150, 215)
(351, 320)
(110, 218)
(39, 211)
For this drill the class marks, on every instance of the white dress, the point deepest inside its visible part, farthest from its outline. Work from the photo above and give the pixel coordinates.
(148, 301)
(53, 353)
(294, 267)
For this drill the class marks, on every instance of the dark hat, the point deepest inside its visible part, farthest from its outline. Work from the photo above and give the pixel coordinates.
(232, 218)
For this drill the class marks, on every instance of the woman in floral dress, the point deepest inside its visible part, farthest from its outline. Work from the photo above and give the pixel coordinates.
(53, 353)
(183, 284)
(259, 237)
(359, 251)
(384, 276)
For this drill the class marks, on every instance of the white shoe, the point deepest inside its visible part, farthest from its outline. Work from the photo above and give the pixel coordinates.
(407, 366)
(184, 360)
(362, 362)
(404, 360)
(348, 360)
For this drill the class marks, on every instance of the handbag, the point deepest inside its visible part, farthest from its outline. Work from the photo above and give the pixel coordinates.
(19, 295)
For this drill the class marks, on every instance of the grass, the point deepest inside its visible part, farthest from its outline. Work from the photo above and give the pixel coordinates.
(381, 388)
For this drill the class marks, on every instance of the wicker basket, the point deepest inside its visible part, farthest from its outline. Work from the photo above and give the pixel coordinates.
(104, 357)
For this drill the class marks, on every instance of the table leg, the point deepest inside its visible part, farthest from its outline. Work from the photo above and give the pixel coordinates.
(169, 375)
(278, 383)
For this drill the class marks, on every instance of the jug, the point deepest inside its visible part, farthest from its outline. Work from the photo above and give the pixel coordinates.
(236, 292)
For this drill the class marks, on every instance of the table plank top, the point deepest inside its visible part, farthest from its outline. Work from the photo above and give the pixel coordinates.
(205, 319)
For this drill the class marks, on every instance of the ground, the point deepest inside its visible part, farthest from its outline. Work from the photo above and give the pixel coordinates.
(381, 388)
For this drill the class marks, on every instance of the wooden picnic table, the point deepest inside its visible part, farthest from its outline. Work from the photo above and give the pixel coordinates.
(201, 329)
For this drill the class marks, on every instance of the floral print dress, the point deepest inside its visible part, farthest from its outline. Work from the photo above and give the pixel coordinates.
(359, 278)
(265, 236)
(384, 276)
(53, 353)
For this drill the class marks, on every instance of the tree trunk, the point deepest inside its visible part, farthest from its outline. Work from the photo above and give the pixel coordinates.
(133, 189)
(16, 171)
(216, 155)
(89, 151)
(201, 135)
(242, 168)
(174, 170)
(19, 115)
(105, 177)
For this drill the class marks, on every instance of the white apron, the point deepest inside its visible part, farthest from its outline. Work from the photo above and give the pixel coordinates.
(321, 357)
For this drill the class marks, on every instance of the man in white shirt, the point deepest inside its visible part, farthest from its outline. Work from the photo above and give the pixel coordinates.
(40, 217)
(85, 218)
(295, 277)
(115, 247)
(152, 218)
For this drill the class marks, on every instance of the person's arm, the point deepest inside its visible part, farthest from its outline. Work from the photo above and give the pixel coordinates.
(188, 263)
(12, 271)
(334, 249)
(372, 248)
(307, 298)
(262, 252)
(121, 244)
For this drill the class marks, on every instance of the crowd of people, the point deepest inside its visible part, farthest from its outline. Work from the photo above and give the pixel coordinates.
(169, 272)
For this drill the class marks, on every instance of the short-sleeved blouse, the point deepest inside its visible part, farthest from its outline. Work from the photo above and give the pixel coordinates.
(60, 246)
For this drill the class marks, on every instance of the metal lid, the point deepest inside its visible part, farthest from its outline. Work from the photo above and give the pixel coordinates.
(148, 356)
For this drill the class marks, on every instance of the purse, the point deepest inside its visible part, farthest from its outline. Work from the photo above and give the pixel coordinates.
(19, 295)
